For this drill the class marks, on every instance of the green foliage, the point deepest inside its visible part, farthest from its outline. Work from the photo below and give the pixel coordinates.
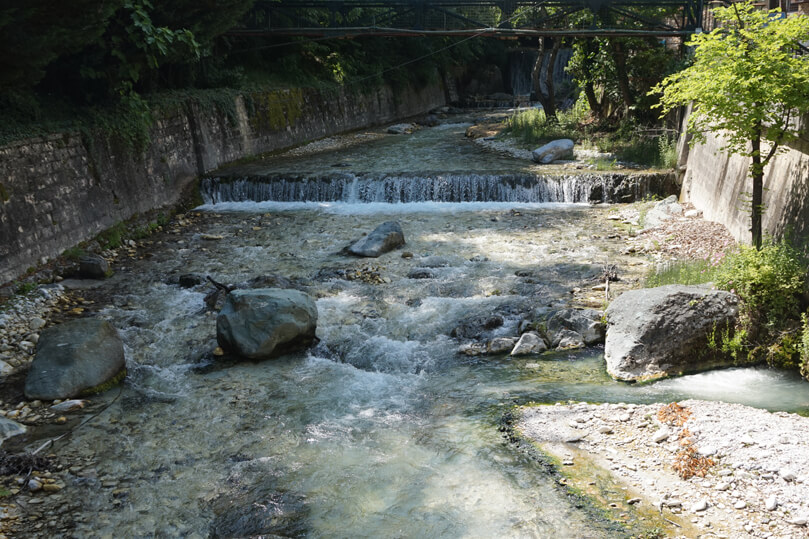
(769, 281)
(113, 236)
(74, 253)
(24, 288)
(745, 79)
(747, 83)
(804, 346)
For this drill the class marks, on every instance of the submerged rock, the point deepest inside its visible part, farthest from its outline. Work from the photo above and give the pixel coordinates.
(384, 238)
(266, 323)
(476, 327)
(558, 149)
(74, 357)
(663, 331)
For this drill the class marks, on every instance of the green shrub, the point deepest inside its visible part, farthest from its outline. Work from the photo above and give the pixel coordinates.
(769, 281)
(805, 346)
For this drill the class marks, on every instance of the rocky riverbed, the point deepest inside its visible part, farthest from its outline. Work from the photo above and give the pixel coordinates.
(711, 469)
(327, 427)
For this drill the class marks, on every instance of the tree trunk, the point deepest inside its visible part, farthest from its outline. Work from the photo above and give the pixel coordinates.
(619, 54)
(547, 100)
(589, 87)
(757, 171)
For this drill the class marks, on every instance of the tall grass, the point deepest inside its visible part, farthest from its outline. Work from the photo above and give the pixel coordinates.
(681, 272)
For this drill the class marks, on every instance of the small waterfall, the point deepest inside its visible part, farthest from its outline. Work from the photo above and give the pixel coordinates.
(391, 188)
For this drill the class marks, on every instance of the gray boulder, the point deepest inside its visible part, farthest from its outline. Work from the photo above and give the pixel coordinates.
(558, 149)
(266, 322)
(93, 267)
(664, 331)
(586, 322)
(74, 357)
(9, 429)
(501, 345)
(384, 238)
(529, 343)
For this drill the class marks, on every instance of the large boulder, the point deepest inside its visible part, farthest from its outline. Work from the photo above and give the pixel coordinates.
(664, 331)
(558, 149)
(74, 357)
(266, 322)
(384, 238)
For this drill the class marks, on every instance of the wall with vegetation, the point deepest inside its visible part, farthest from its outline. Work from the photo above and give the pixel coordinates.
(59, 190)
(719, 185)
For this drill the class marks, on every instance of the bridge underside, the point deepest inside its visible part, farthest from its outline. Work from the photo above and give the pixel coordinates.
(494, 18)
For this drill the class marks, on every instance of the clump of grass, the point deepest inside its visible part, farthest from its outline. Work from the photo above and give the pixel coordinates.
(681, 272)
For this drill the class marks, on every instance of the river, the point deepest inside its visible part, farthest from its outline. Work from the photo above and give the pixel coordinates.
(382, 429)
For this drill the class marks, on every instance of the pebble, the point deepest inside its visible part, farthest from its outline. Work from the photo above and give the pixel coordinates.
(605, 429)
(771, 503)
(36, 323)
(740, 504)
(34, 485)
(661, 435)
(787, 475)
(700, 506)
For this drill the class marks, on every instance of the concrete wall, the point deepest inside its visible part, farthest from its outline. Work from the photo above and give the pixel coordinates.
(719, 185)
(59, 190)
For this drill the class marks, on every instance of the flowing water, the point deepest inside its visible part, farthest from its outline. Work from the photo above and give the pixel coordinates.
(382, 429)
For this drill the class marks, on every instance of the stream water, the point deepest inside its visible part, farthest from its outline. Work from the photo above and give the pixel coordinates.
(382, 429)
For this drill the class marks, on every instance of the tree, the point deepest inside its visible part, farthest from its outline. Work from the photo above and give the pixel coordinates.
(747, 82)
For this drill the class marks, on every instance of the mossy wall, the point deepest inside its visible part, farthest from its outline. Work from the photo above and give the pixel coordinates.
(59, 190)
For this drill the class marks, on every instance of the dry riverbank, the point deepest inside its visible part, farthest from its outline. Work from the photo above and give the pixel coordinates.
(750, 467)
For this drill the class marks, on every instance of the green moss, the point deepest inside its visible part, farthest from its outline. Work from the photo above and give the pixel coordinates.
(74, 253)
(275, 110)
(109, 384)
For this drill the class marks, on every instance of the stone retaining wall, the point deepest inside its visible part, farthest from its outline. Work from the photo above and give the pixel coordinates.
(59, 190)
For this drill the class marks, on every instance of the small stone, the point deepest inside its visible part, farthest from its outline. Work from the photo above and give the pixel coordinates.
(218, 351)
(69, 406)
(36, 323)
(661, 435)
(798, 521)
(407, 254)
(573, 437)
(700, 506)
(707, 451)
(34, 485)
(605, 429)
(771, 503)
(623, 418)
(721, 486)
(567, 463)
(741, 504)
(787, 475)
(52, 487)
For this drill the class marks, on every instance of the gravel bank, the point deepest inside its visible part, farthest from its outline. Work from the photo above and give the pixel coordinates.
(752, 466)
